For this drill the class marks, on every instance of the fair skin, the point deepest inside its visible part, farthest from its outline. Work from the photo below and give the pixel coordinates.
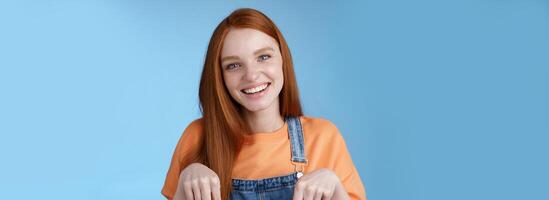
(251, 60)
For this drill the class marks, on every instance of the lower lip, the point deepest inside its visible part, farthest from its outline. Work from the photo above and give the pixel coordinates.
(259, 94)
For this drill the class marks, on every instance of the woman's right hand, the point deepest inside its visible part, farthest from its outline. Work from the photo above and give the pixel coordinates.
(198, 182)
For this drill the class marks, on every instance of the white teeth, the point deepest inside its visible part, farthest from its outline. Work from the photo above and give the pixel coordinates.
(256, 89)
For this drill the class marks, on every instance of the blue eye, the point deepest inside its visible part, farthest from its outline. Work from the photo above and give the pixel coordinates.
(233, 65)
(264, 57)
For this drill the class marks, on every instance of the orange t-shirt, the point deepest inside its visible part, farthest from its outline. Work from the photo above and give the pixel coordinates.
(270, 154)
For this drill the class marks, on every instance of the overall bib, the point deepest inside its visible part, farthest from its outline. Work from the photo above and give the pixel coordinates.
(279, 187)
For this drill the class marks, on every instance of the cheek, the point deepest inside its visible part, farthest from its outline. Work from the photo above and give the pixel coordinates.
(231, 81)
(276, 73)
(275, 70)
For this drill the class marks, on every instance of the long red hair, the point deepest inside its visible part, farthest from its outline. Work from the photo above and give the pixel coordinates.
(224, 125)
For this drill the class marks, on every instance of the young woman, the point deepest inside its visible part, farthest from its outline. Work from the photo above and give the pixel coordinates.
(253, 141)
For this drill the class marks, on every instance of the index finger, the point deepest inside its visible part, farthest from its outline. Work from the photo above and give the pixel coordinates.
(298, 191)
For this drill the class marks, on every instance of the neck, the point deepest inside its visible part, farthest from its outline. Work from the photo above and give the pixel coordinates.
(264, 121)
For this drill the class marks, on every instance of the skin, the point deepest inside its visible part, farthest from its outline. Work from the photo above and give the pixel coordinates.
(250, 57)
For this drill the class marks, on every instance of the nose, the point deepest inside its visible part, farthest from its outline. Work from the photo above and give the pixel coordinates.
(252, 72)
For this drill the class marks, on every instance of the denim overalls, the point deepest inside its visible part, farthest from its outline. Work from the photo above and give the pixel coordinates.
(279, 187)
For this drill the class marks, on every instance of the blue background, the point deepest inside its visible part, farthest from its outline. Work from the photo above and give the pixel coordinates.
(436, 99)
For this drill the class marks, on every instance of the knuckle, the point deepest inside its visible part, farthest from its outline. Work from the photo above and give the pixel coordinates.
(325, 192)
(187, 183)
(311, 188)
(194, 182)
(204, 180)
(214, 180)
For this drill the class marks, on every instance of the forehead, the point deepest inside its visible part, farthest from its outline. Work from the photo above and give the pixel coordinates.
(244, 41)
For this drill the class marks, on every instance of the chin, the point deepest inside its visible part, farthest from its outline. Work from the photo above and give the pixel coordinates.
(254, 108)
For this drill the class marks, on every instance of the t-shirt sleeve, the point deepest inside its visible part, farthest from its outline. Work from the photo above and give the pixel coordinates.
(344, 167)
(187, 145)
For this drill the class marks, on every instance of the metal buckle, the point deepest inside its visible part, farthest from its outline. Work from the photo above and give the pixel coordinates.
(299, 175)
(301, 169)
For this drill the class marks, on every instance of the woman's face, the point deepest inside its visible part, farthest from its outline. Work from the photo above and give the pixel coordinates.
(252, 68)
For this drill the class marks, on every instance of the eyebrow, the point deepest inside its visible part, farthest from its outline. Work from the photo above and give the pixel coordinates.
(255, 53)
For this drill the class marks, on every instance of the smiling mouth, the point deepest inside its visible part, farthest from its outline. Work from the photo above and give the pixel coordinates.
(257, 89)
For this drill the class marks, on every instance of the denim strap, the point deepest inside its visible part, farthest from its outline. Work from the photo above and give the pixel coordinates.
(295, 134)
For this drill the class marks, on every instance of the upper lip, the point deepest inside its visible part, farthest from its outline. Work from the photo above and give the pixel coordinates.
(253, 86)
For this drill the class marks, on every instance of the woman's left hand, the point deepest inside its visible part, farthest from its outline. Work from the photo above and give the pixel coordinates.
(319, 184)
